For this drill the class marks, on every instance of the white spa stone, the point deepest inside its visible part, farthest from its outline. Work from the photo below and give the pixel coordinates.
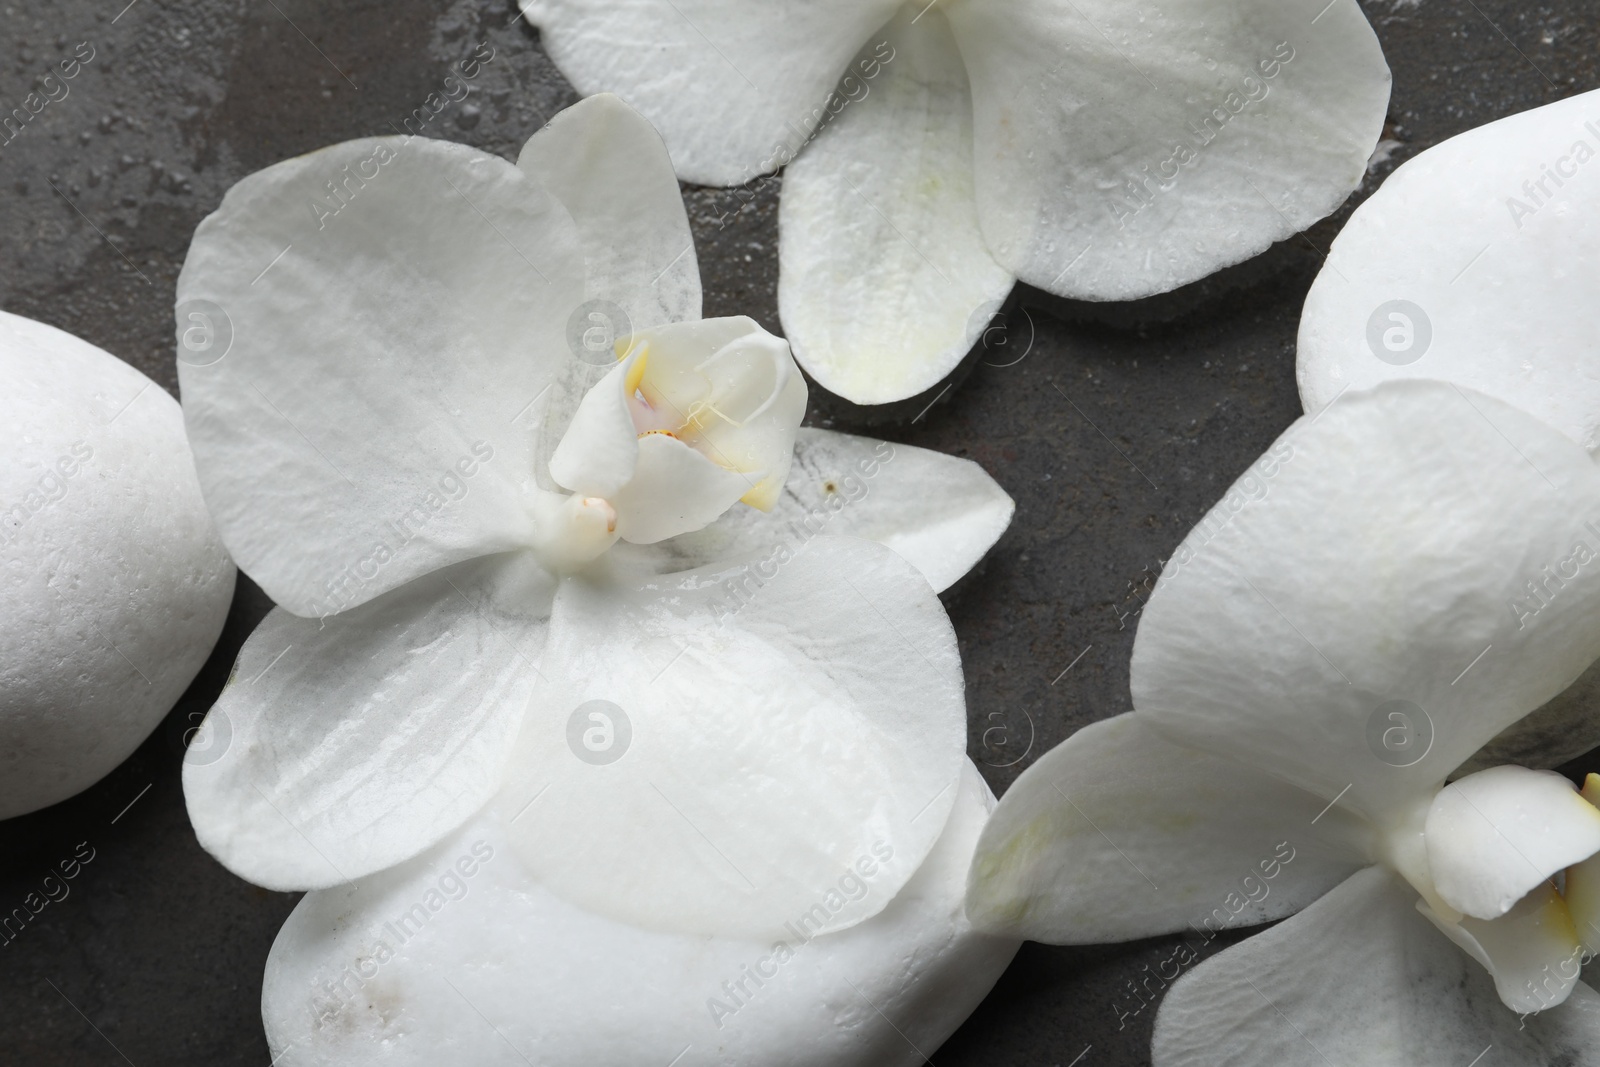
(113, 583)
(459, 957)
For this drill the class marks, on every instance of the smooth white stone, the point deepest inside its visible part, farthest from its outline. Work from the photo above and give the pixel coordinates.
(493, 969)
(113, 583)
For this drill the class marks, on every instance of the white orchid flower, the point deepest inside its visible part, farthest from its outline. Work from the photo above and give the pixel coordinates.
(1403, 576)
(509, 615)
(941, 151)
(1401, 594)
(116, 584)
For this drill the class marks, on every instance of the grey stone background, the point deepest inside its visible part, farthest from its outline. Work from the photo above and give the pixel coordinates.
(1114, 427)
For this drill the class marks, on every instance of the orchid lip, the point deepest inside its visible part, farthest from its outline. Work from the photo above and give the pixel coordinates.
(653, 413)
(693, 418)
(1505, 864)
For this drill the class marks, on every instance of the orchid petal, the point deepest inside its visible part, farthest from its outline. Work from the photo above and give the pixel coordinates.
(599, 452)
(1104, 171)
(1358, 978)
(463, 936)
(674, 490)
(770, 724)
(343, 747)
(1288, 632)
(731, 390)
(610, 169)
(115, 585)
(1117, 834)
(1495, 835)
(382, 358)
(1532, 951)
(882, 267)
(1560, 731)
(1475, 264)
(680, 347)
(757, 401)
(939, 512)
(734, 89)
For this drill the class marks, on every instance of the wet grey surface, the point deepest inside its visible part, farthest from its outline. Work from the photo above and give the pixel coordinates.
(1114, 427)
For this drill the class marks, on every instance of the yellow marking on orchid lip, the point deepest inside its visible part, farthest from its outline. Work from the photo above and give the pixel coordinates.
(663, 433)
(1582, 885)
(763, 496)
(635, 375)
(626, 346)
